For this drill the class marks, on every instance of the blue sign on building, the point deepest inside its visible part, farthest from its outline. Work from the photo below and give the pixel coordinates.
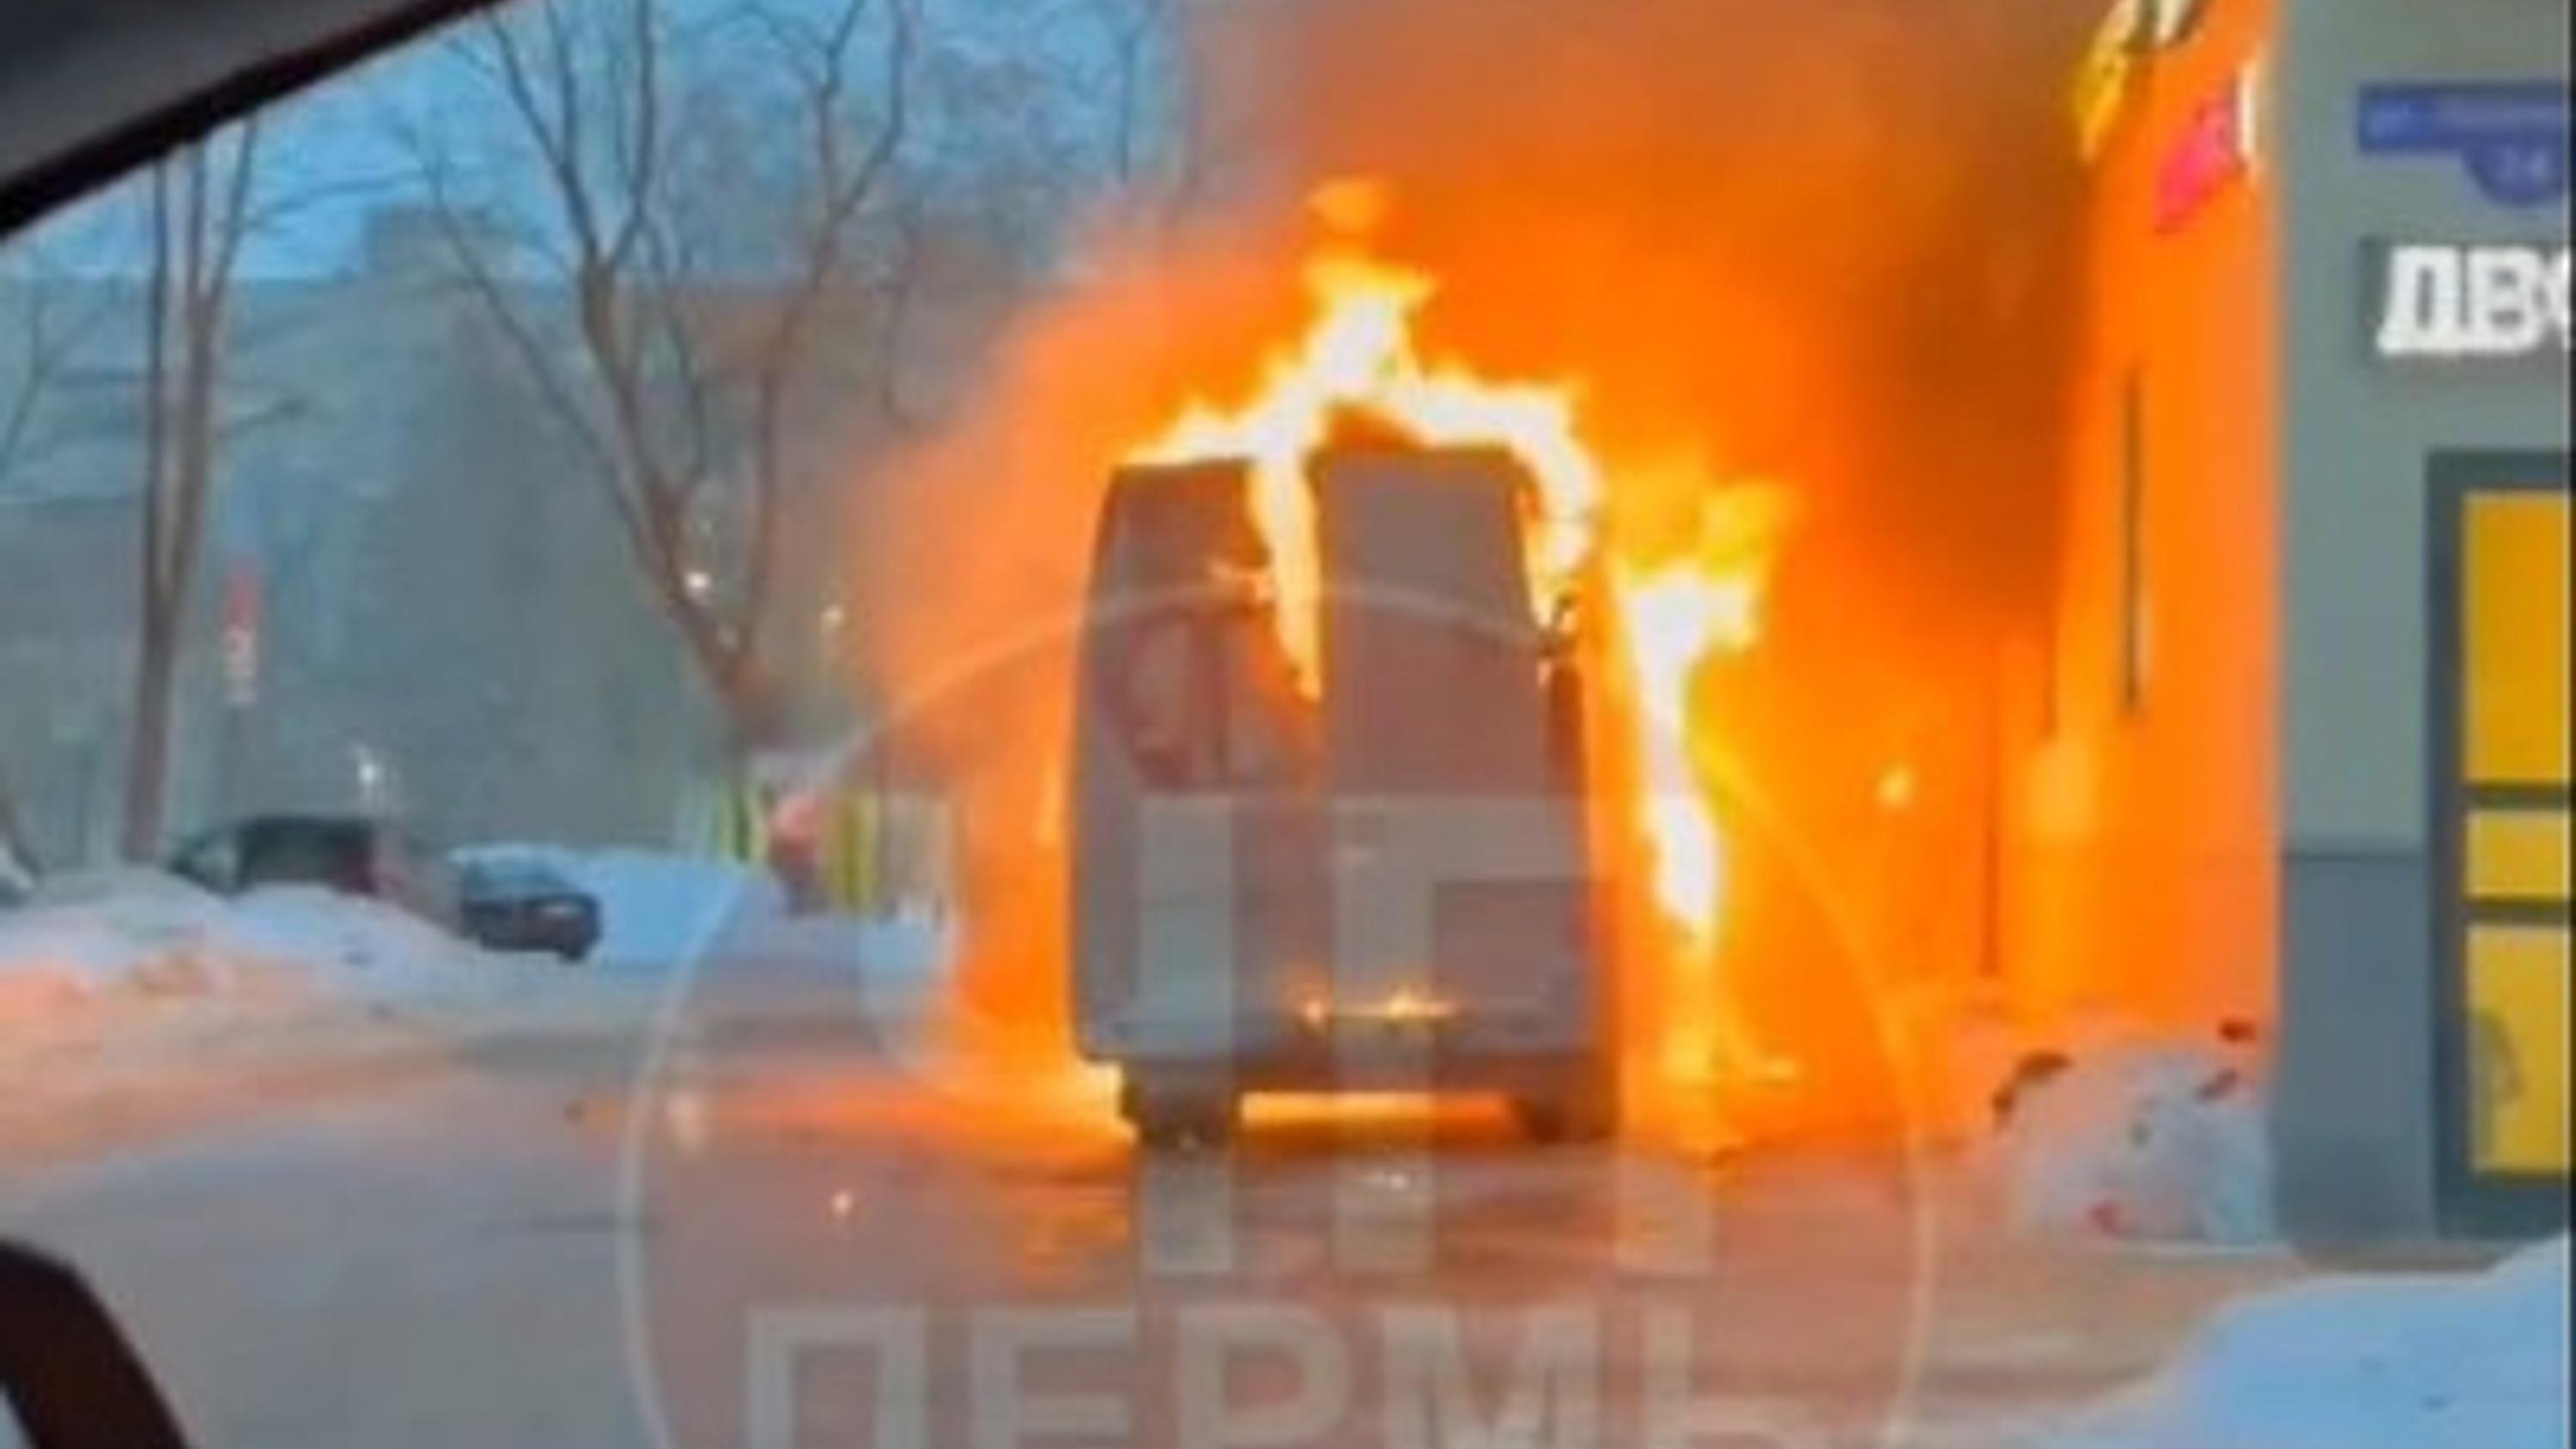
(2510, 136)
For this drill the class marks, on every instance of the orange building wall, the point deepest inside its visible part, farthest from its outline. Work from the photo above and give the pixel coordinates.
(2141, 865)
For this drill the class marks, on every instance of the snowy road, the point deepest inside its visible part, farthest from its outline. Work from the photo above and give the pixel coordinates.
(747, 1235)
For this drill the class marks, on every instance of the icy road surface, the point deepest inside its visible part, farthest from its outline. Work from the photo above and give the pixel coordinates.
(592, 1225)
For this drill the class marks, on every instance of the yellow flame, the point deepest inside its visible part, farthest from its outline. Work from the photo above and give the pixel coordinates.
(1675, 618)
(1359, 359)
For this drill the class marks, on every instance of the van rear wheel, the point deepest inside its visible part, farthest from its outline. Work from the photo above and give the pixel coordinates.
(1173, 1114)
(1583, 1107)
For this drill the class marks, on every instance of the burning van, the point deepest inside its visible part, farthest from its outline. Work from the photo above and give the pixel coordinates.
(1347, 856)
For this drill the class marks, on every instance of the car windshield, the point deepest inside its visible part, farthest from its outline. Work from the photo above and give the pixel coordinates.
(1232, 724)
(337, 852)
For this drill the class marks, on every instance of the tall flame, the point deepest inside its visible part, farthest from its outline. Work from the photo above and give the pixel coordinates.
(1359, 359)
(1675, 616)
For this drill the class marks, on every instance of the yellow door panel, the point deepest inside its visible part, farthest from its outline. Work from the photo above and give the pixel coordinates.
(2517, 1000)
(2517, 855)
(2514, 563)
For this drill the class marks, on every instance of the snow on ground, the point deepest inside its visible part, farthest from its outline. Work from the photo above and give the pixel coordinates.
(134, 1006)
(125, 934)
(352, 938)
(2453, 1362)
(114, 933)
(2155, 1142)
(129, 934)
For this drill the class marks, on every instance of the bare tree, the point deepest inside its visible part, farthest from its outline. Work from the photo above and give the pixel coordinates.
(197, 213)
(698, 283)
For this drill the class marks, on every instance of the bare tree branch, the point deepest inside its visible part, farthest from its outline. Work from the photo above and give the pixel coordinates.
(234, 222)
(842, 197)
(17, 847)
(156, 417)
(644, 148)
(274, 211)
(289, 408)
(683, 367)
(521, 338)
(894, 321)
(556, 137)
(196, 247)
(46, 349)
(1132, 37)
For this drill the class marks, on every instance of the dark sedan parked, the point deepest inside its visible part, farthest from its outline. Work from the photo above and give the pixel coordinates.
(355, 855)
(524, 905)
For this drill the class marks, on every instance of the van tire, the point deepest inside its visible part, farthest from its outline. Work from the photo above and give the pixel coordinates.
(1177, 1115)
(1582, 1108)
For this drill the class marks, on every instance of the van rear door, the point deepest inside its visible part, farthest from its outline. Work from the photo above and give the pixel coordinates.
(1458, 863)
(1196, 872)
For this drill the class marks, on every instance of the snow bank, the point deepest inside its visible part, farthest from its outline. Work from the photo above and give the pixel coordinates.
(2475, 1362)
(138, 933)
(129, 931)
(349, 937)
(656, 908)
(2152, 1143)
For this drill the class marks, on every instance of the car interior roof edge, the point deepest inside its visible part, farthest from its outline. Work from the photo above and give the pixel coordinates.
(93, 161)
